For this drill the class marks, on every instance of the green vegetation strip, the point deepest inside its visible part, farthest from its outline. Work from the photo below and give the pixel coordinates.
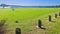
(27, 18)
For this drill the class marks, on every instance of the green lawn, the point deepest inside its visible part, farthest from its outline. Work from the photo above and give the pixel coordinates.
(28, 19)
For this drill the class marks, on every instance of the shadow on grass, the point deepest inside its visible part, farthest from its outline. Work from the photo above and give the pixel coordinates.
(2, 23)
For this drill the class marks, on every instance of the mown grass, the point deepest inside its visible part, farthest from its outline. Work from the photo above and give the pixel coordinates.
(28, 19)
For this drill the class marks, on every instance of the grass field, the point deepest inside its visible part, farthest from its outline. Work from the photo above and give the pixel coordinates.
(28, 20)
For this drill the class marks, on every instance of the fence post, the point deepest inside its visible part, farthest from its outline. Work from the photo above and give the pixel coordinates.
(49, 17)
(59, 14)
(55, 15)
(16, 21)
(39, 23)
(18, 31)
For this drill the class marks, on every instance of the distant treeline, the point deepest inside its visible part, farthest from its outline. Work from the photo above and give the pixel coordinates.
(36, 6)
(19, 6)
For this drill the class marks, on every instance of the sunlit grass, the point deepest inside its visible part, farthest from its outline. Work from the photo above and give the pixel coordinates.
(27, 18)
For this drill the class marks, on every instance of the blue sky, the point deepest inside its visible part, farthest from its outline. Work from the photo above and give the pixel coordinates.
(31, 2)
